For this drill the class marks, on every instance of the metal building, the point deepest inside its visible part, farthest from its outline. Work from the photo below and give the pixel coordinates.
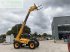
(60, 27)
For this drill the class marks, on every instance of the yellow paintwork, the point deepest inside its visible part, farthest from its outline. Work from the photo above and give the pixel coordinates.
(19, 33)
(16, 45)
(32, 45)
(23, 40)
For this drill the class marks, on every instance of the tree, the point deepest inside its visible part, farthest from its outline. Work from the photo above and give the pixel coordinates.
(35, 34)
(2, 38)
(39, 35)
(4, 35)
(44, 35)
(9, 32)
(15, 29)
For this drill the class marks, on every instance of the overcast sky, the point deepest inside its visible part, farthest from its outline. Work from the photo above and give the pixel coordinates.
(14, 11)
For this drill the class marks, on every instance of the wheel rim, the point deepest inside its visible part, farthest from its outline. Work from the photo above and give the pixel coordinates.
(16, 45)
(32, 45)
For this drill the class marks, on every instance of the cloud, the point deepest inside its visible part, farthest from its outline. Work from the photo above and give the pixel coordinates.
(9, 18)
(38, 22)
(5, 25)
(58, 3)
(11, 3)
(15, 11)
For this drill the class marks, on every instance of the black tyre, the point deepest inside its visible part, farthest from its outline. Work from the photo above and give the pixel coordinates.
(21, 45)
(32, 45)
(16, 45)
(37, 43)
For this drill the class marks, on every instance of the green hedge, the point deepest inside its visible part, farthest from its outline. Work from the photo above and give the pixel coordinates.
(1, 41)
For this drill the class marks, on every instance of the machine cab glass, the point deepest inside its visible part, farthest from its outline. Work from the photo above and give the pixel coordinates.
(25, 36)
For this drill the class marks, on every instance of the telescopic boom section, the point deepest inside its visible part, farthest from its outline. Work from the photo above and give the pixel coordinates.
(32, 8)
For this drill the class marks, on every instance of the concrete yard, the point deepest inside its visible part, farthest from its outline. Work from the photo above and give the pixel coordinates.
(45, 46)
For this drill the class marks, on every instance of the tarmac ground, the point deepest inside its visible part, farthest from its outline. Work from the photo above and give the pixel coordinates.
(45, 46)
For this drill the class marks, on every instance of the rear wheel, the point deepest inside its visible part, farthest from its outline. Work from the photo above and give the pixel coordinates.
(16, 45)
(37, 43)
(32, 45)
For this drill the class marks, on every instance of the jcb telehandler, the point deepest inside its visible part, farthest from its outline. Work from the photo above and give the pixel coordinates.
(32, 43)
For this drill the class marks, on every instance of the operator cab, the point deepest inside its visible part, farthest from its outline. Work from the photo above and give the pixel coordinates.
(26, 35)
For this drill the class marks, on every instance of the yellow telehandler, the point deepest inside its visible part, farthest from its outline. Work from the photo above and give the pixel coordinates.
(19, 40)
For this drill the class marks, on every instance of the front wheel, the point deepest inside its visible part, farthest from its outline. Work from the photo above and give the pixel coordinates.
(16, 45)
(32, 45)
